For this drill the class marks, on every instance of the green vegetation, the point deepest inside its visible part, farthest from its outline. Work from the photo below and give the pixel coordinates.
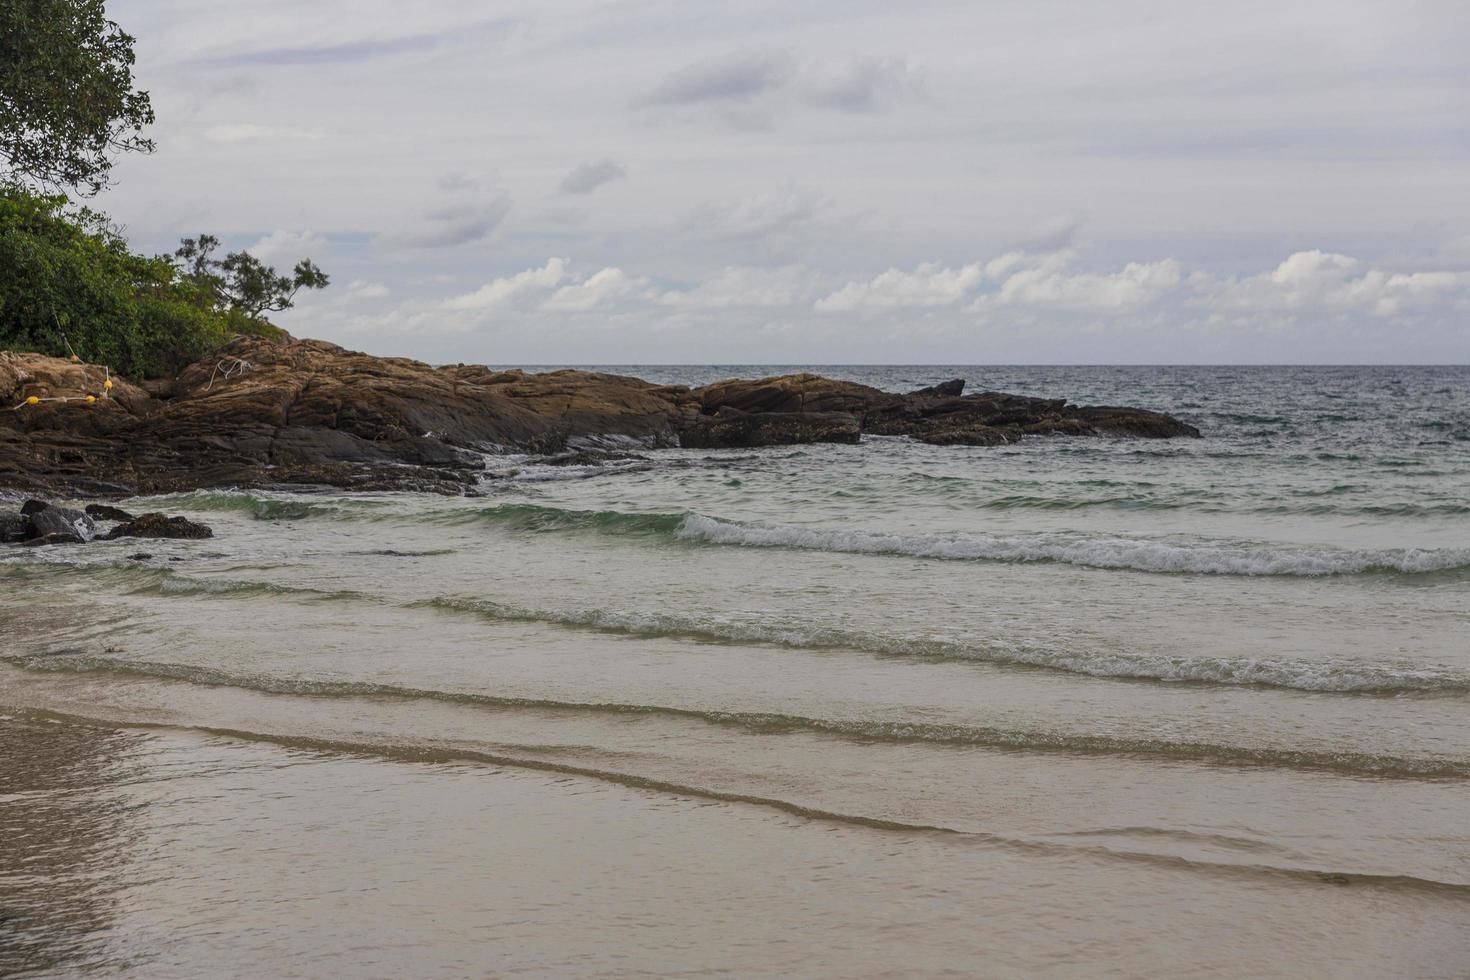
(66, 270)
(67, 276)
(67, 102)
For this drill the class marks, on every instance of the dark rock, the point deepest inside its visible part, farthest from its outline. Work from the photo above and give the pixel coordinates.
(733, 429)
(52, 522)
(1136, 422)
(15, 527)
(947, 389)
(57, 538)
(157, 525)
(103, 512)
(140, 556)
(33, 506)
(974, 435)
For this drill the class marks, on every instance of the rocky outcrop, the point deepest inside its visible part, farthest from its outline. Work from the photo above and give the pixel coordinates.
(941, 415)
(732, 428)
(303, 412)
(156, 525)
(41, 523)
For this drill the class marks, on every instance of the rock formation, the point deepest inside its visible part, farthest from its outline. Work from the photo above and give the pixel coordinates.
(306, 412)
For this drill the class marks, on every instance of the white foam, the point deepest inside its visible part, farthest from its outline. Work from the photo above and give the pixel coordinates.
(1140, 554)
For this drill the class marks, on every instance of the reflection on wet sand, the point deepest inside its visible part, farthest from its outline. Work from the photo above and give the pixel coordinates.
(66, 831)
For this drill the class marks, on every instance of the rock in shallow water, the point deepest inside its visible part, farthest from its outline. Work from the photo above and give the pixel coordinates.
(736, 429)
(157, 525)
(61, 524)
(104, 512)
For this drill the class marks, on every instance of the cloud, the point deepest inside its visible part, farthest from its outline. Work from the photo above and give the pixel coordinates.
(498, 292)
(736, 77)
(282, 246)
(587, 177)
(745, 287)
(469, 211)
(1325, 281)
(927, 285)
(859, 84)
(1048, 283)
(333, 52)
(602, 289)
(1054, 234)
(760, 215)
(748, 87)
(360, 290)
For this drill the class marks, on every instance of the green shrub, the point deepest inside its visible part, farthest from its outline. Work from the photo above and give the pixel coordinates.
(66, 270)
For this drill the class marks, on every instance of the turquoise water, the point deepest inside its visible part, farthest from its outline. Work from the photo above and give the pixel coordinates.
(1168, 689)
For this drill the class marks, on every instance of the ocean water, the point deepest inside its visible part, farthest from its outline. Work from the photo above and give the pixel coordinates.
(1072, 706)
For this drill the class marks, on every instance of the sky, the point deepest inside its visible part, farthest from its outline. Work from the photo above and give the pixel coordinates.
(650, 181)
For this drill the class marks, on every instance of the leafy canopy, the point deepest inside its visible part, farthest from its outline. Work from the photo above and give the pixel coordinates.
(241, 282)
(67, 102)
(70, 279)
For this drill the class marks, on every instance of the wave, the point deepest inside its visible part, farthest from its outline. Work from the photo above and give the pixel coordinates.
(537, 517)
(775, 723)
(1342, 677)
(1202, 557)
(270, 508)
(1333, 676)
(1197, 558)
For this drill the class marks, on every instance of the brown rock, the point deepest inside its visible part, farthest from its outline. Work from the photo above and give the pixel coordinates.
(264, 412)
(155, 525)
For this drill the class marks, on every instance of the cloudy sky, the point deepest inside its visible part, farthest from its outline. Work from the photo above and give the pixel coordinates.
(649, 181)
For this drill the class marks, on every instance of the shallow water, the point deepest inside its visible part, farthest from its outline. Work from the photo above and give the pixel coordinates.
(1105, 707)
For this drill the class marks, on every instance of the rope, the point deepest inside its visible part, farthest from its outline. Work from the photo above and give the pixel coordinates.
(236, 368)
(34, 400)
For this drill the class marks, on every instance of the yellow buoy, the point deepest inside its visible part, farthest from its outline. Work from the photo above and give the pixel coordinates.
(75, 359)
(91, 399)
(107, 383)
(33, 400)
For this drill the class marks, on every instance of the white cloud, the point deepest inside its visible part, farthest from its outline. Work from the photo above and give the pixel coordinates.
(498, 292)
(927, 285)
(598, 291)
(360, 290)
(290, 247)
(760, 215)
(745, 287)
(1048, 283)
(858, 84)
(587, 177)
(1316, 281)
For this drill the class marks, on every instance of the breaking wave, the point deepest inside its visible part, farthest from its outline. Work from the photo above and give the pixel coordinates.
(1341, 676)
(1190, 557)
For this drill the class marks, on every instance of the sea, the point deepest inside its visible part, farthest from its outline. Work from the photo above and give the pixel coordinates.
(1069, 707)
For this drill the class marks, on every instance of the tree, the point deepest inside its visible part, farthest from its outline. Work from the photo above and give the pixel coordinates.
(69, 282)
(67, 101)
(241, 282)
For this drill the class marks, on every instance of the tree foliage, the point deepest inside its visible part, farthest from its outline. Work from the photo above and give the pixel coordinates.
(69, 277)
(67, 98)
(242, 283)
